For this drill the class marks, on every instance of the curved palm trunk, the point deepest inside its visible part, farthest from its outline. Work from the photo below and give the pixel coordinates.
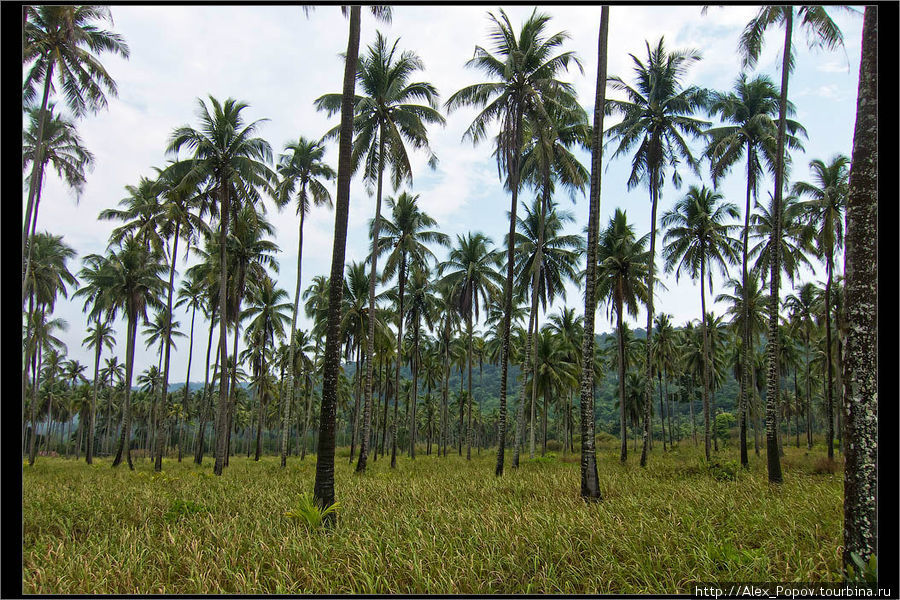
(773, 460)
(35, 384)
(125, 434)
(861, 293)
(29, 354)
(164, 392)
(222, 407)
(370, 337)
(323, 490)
(590, 486)
(201, 430)
(401, 276)
(285, 411)
(37, 177)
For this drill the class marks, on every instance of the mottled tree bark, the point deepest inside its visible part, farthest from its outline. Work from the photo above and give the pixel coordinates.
(861, 293)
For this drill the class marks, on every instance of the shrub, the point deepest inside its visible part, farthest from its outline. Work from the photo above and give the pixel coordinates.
(309, 512)
(183, 508)
(723, 471)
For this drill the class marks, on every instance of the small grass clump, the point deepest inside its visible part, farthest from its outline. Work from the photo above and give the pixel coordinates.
(430, 526)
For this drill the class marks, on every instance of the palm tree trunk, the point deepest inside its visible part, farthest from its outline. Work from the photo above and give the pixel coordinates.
(29, 357)
(669, 408)
(35, 384)
(861, 293)
(285, 410)
(829, 402)
(415, 389)
(89, 452)
(651, 272)
(125, 435)
(37, 177)
(706, 432)
(526, 364)
(745, 315)
(323, 490)
(662, 416)
(590, 486)
(355, 416)
(164, 392)
(401, 276)
(508, 287)
(469, 382)
(773, 460)
(620, 343)
(221, 408)
(808, 400)
(232, 388)
(370, 337)
(187, 379)
(445, 392)
(204, 416)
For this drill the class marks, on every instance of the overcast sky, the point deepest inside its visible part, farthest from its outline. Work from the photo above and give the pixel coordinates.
(278, 60)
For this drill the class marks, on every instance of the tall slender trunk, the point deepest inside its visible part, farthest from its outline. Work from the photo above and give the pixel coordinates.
(620, 351)
(706, 439)
(513, 160)
(669, 408)
(164, 393)
(808, 399)
(829, 401)
(232, 389)
(221, 408)
(526, 365)
(773, 460)
(355, 416)
(745, 316)
(36, 360)
(590, 486)
(125, 434)
(29, 353)
(323, 490)
(289, 393)
(861, 302)
(651, 273)
(401, 276)
(187, 379)
(469, 380)
(370, 337)
(445, 392)
(415, 388)
(37, 176)
(201, 430)
(662, 416)
(89, 451)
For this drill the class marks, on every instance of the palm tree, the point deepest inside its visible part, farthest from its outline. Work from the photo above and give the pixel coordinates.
(131, 282)
(386, 120)
(796, 239)
(569, 328)
(750, 111)
(821, 31)
(62, 148)
(44, 335)
(824, 211)
(301, 168)
(656, 116)
(101, 334)
(64, 41)
(553, 374)
(622, 265)
(266, 312)
(323, 490)
(524, 71)
(546, 259)
(861, 292)
(420, 307)
(405, 239)
(697, 240)
(227, 154)
(590, 488)
(192, 295)
(664, 354)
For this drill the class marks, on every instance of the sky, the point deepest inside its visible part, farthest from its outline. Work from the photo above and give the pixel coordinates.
(279, 60)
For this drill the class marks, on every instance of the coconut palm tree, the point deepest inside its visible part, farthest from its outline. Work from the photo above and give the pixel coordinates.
(590, 488)
(229, 157)
(420, 303)
(44, 334)
(821, 32)
(698, 239)
(523, 71)
(64, 43)
(303, 174)
(131, 282)
(62, 148)
(796, 239)
(405, 239)
(622, 265)
(749, 111)
(323, 490)
(655, 118)
(824, 211)
(192, 296)
(861, 268)
(802, 304)
(570, 329)
(545, 261)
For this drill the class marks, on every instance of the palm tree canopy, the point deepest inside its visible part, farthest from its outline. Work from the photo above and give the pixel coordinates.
(622, 265)
(303, 172)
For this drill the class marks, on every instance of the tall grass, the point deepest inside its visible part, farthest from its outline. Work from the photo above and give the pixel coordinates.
(430, 526)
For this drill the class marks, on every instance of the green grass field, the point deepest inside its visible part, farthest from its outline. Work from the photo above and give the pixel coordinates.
(431, 526)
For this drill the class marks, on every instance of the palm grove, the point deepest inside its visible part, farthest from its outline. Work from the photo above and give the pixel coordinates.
(405, 327)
